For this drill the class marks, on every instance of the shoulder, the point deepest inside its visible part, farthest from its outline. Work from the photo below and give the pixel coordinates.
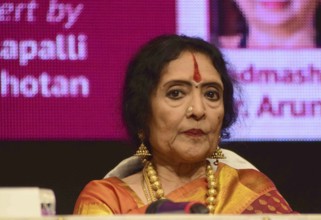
(100, 196)
(269, 199)
(109, 188)
(258, 193)
(249, 178)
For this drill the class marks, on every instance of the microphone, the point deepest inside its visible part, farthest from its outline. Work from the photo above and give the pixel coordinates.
(165, 206)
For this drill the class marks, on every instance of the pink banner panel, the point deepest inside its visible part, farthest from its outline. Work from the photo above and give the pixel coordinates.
(62, 64)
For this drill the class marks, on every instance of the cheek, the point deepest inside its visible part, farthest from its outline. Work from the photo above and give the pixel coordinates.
(165, 122)
(308, 8)
(217, 119)
(220, 119)
(163, 131)
(161, 123)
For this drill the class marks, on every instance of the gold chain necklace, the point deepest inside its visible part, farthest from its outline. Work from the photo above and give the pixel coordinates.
(153, 189)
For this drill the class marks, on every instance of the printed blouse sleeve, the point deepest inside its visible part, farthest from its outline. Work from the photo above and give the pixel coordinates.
(270, 202)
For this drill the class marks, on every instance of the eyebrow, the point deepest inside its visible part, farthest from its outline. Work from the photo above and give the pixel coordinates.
(188, 83)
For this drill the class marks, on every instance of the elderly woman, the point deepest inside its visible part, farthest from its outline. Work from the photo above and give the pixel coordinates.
(177, 105)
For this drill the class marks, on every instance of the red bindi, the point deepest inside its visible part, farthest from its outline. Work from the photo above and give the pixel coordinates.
(197, 76)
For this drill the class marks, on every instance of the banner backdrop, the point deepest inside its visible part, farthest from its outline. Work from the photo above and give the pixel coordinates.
(280, 95)
(62, 64)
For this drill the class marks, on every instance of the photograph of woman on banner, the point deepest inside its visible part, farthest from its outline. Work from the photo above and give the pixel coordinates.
(276, 24)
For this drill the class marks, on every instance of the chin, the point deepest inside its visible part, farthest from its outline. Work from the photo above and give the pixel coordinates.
(194, 158)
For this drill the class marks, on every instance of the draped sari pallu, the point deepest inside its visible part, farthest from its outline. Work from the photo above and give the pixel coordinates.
(243, 191)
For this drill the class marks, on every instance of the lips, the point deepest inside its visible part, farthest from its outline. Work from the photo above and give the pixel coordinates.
(194, 132)
(275, 5)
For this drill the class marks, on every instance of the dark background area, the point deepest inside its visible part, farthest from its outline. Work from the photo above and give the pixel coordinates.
(66, 166)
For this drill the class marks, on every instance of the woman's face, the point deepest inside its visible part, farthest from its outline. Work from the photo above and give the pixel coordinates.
(277, 12)
(177, 134)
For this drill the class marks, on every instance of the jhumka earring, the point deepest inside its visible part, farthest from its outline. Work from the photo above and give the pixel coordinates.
(142, 151)
(218, 154)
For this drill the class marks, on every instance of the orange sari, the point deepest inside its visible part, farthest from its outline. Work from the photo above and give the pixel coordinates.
(243, 191)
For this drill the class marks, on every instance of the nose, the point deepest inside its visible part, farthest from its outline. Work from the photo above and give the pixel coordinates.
(198, 107)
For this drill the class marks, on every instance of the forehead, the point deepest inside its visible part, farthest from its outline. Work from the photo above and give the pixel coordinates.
(182, 68)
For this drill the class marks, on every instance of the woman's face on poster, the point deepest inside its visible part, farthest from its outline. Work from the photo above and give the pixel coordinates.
(277, 12)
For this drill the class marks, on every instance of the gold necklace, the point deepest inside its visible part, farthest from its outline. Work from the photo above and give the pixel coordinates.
(146, 191)
(156, 191)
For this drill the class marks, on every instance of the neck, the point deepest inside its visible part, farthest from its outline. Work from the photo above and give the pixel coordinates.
(174, 175)
(260, 37)
(156, 191)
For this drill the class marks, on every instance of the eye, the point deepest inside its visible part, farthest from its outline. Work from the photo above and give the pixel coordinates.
(175, 94)
(212, 95)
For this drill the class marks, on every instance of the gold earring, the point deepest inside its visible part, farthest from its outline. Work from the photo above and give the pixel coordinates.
(218, 154)
(142, 151)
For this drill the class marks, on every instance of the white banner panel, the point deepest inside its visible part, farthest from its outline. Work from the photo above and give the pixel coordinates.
(192, 18)
(281, 89)
(281, 94)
